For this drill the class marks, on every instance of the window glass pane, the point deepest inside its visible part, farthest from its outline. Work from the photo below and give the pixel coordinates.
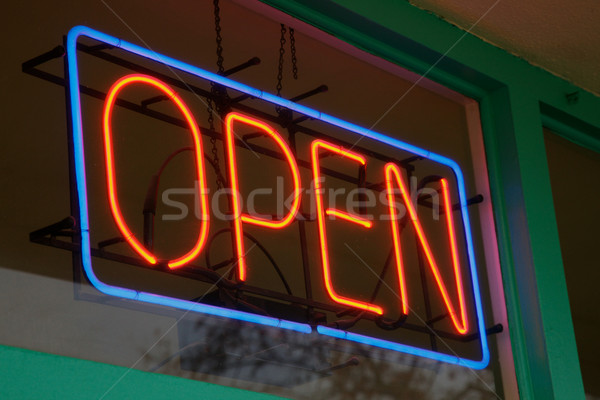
(572, 172)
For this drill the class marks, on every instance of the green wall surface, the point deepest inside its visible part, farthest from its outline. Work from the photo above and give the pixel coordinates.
(26, 374)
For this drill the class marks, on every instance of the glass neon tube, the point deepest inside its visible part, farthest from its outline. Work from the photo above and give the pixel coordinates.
(240, 217)
(111, 98)
(314, 151)
(393, 174)
(79, 157)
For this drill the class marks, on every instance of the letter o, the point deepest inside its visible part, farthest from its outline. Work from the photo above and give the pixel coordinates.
(111, 98)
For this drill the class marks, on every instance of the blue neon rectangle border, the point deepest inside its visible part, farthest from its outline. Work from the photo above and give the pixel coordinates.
(79, 157)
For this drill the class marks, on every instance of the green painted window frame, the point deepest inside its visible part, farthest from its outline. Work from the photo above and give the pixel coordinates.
(516, 100)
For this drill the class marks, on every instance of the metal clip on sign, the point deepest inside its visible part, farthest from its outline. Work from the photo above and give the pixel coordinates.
(394, 183)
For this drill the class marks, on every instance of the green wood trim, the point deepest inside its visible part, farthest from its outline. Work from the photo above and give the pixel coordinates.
(540, 322)
(571, 129)
(497, 105)
(26, 374)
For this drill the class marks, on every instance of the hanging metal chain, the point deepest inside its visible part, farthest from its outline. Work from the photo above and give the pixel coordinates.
(210, 104)
(210, 107)
(280, 66)
(211, 120)
(293, 52)
(219, 39)
(213, 142)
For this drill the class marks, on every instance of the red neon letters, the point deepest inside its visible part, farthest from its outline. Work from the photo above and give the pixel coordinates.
(393, 179)
(392, 172)
(239, 217)
(314, 152)
(111, 98)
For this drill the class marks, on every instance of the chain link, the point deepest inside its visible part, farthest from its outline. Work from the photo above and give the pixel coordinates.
(293, 52)
(280, 65)
(210, 104)
(219, 39)
(213, 142)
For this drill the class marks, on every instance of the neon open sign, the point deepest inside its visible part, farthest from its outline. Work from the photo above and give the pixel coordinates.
(453, 268)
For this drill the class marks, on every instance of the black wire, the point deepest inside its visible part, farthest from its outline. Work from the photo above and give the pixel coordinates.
(264, 250)
(260, 246)
(169, 159)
